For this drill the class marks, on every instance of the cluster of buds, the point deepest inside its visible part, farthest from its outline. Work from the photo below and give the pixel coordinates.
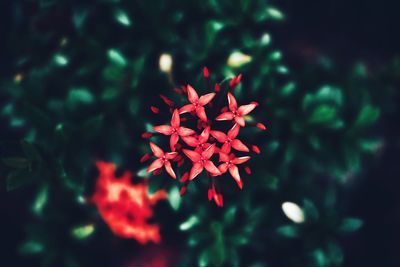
(214, 147)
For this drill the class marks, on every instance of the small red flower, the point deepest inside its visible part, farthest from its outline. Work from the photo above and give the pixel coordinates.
(202, 161)
(236, 113)
(163, 160)
(230, 163)
(175, 130)
(197, 104)
(235, 81)
(229, 140)
(199, 142)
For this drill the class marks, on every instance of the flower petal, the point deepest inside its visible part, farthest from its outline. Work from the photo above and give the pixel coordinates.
(246, 109)
(157, 151)
(192, 155)
(186, 108)
(173, 141)
(164, 129)
(234, 131)
(171, 155)
(234, 171)
(192, 95)
(169, 169)
(223, 167)
(190, 140)
(240, 120)
(226, 148)
(196, 170)
(223, 157)
(240, 160)
(204, 135)
(205, 99)
(175, 120)
(211, 168)
(226, 116)
(158, 163)
(232, 102)
(183, 131)
(201, 113)
(220, 136)
(238, 145)
(208, 152)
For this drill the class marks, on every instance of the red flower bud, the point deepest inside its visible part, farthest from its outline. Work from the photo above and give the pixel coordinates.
(206, 73)
(256, 149)
(155, 109)
(261, 126)
(147, 135)
(145, 157)
(217, 88)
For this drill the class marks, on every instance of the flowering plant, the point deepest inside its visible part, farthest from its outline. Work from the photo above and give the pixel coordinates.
(213, 148)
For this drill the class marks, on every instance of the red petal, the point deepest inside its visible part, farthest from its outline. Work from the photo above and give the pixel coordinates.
(232, 102)
(169, 169)
(223, 167)
(206, 154)
(256, 149)
(235, 81)
(247, 170)
(167, 101)
(196, 170)
(201, 113)
(246, 109)
(234, 171)
(186, 108)
(240, 120)
(175, 120)
(223, 157)
(204, 135)
(171, 155)
(234, 131)
(180, 162)
(164, 129)
(217, 87)
(226, 116)
(238, 145)
(226, 148)
(220, 136)
(205, 99)
(219, 200)
(145, 157)
(157, 151)
(183, 131)
(210, 193)
(155, 109)
(183, 190)
(190, 141)
(206, 72)
(240, 160)
(147, 135)
(157, 172)
(261, 126)
(192, 95)
(184, 177)
(192, 155)
(158, 163)
(211, 168)
(173, 141)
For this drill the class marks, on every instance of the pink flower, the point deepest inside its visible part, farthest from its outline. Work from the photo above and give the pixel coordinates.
(202, 161)
(199, 142)
(230, 163)
(175, 130)
(197, 104)
(236, 113)
(229, 140)
(162, 160)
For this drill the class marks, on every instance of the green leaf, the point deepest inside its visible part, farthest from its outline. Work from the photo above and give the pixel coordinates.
(367, 116)
(323, 114)
(40, 200)
(83, 232)
(116, 57)
(31, 247)
(174, 198)
(289, 231)
(204, 258)
(16, 162)
(30, 150)
(79, 95)
(18, 178)
(60, 60)
(350, 225)
(122, 17)
(189, 223)
(288, 89)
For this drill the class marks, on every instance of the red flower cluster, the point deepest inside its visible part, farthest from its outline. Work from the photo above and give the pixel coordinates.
(124, 206)
(201, 147)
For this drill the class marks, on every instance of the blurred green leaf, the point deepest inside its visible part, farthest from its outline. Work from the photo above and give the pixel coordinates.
(40, 200)
(83, 232)
(289, 231)
(18, 178)
(116, 57)
(30, 150)
(16, 162)
(31, 247)
(367, 116)
(350, 225)
(323, 114)
(174, 198)
(79, 95)
(122, 17)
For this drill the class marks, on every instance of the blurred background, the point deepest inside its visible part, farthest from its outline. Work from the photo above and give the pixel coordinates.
(77, 80)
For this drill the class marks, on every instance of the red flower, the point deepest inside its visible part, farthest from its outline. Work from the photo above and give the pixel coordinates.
(174, 130)
(163, 160)
(236, 113)
(201, 161)
(199, 142)
(230, 163)
(230, 140)
(197, 104)
(126, 207)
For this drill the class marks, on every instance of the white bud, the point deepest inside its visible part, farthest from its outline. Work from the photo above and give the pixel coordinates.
(165, 62)
(237, 59)
(293, 212)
